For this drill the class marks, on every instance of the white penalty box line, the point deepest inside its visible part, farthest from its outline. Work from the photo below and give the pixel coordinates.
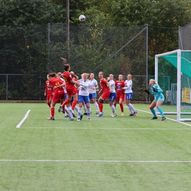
(23, 119)
(174, 120)
(97, 161)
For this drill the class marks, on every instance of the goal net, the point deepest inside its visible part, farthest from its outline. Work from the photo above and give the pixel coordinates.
(173, 73)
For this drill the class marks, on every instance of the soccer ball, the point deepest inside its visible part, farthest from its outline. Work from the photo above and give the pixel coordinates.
(82, 18)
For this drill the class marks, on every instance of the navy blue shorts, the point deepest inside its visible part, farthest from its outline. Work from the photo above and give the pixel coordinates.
(112, 97)
(92, 96)
(83, 99)
(129, 96)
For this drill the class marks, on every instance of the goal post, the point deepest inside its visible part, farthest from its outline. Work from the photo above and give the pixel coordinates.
(173, 73)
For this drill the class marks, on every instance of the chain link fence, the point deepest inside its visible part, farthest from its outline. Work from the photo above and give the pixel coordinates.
(28, 53)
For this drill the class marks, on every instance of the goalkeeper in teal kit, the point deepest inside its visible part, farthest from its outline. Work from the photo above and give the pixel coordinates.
(157, 92)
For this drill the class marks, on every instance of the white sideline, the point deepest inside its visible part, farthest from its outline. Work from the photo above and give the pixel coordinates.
(183, 123)
(94, 161)
(23, 119)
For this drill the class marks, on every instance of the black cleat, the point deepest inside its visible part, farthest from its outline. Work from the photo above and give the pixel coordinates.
(154, 118)
(51, 118)
(163, 118)
(60, 109)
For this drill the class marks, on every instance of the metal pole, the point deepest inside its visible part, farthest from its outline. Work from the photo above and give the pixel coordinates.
(68, 27)
(178, 85)
(49, 30)
(180, 38)
(156, 68)
(147, 57)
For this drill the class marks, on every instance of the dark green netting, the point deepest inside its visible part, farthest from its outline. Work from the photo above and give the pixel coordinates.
(185, 62)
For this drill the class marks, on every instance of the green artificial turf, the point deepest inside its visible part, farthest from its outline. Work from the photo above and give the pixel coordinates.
(102, 154)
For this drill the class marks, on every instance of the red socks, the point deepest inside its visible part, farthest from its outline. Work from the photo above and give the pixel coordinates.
(74, 104)
(100, 107)
(52, 112)
(121, 107)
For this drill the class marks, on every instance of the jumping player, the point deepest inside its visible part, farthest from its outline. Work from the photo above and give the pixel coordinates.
(93, 86)
(120, 92)
(104, 92)
(129, 95)
(71, 91)
(157, 92)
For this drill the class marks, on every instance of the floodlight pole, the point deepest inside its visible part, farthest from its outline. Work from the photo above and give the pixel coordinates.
(68, 28)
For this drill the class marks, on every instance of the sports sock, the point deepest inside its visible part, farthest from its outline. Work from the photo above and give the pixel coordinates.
(121, 107)
(160, 111)
(69, 111)
(96, 106)
(74, 104)
(52, 112)
(153, 112)
(101, 107)
(65, 103)
(132, 108)
(88, 111)
(113, 108)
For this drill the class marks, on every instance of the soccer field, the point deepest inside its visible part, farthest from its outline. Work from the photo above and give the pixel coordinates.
(103, 154)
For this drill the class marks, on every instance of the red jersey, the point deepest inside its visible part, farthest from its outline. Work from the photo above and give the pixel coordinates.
(56, 84)
(119, 87)
(48, 88)
(68, 79)
(103, 85)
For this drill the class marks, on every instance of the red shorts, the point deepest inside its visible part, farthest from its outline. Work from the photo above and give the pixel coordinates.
(105, 95)
(71, 91)
(120, 96)
(57, 96)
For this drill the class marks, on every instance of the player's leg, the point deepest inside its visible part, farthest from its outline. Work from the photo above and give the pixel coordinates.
(158, 106)
(52, 108)
(48, 100)
(93, 100)
(75, 101)
(80, 104)
(112, 99)
(87, 103)
(68, 107)
(100, 104)
(121, 104)
(151, 107)
(130, 106)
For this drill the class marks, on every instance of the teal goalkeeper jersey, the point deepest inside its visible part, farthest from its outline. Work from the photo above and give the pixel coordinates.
(155, 90)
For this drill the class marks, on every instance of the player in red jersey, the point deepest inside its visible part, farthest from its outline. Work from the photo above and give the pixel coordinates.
(48, 91)
(71, 91)
(104, 92)
(57, 85)
(120, 84)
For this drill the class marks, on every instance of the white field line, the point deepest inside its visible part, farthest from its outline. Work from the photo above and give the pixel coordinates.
(110, 129)
(23, 119)
(174, 120)
(94, 161)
